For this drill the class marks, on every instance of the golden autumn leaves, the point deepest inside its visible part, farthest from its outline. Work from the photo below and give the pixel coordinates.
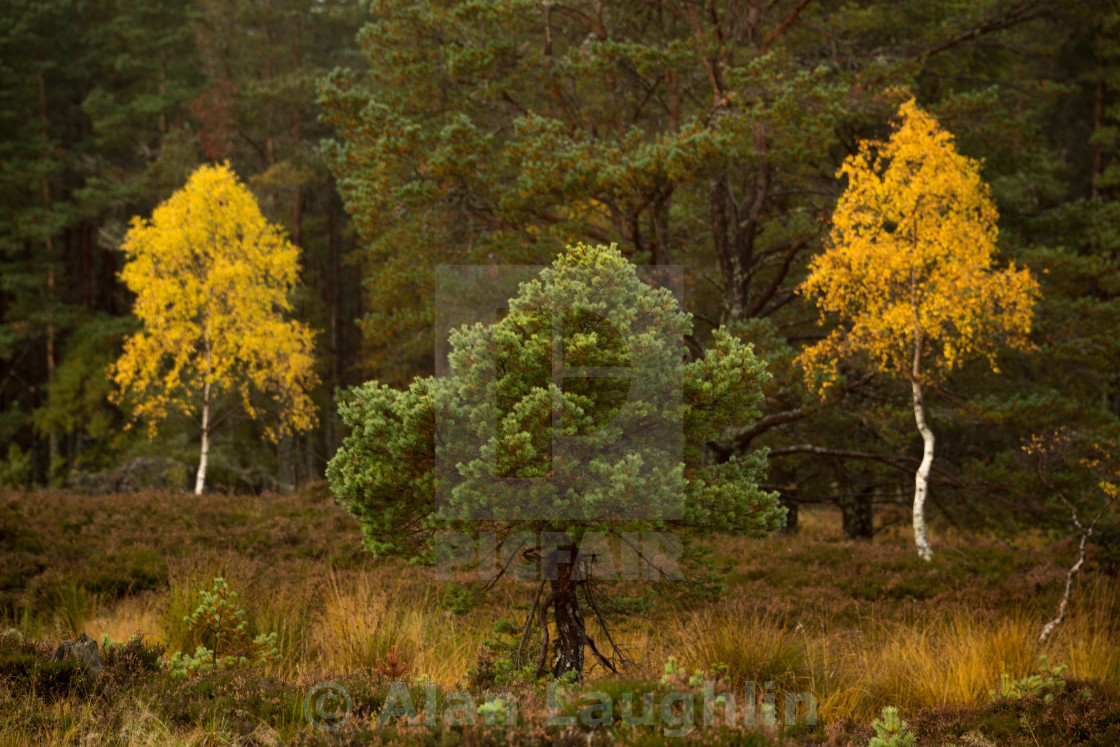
(910, 270)
(910, 265)
(212, 279)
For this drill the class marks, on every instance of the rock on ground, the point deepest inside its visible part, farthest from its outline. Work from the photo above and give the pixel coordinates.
(84, 649)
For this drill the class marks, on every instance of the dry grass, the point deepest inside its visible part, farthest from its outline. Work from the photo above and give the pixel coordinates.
(954, 658)
(119, 620)
(861, 625)
(363, 615)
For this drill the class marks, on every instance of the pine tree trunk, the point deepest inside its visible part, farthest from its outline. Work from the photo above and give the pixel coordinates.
(789, 500)
(921, 479)
(733, 272)
(85, 244)
(570, 632)
(309, 474)
(1098, 124)
(52, 437)
(297, 201)
(858, 515)
(285, 468)
(162, 102)
(204, 452)
(331, 290)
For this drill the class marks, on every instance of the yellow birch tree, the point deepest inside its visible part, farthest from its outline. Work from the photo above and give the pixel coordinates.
(910, 272)
(212, 279)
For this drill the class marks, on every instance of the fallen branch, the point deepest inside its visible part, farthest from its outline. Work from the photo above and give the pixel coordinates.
(1086, 533)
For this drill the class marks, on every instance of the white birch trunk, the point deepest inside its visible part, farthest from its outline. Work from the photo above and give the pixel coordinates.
(204, 453)
(1086, 533)
(1048, 629)
(921, 479)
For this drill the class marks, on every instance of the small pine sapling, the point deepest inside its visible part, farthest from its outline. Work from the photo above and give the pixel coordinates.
(219, 618)
(892, 731)
(392, 667)
(1048, 681)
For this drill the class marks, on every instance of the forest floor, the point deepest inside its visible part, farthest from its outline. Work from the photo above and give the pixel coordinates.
(858, 624)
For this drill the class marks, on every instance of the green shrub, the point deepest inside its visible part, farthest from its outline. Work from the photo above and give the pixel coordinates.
(891, 731)
(219, 619)
(1042, 685)
(459, 599)
(15, 471)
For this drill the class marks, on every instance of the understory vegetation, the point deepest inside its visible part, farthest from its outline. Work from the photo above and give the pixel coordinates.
(861, 625)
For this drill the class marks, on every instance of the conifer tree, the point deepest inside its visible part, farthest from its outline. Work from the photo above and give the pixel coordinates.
(509, 443)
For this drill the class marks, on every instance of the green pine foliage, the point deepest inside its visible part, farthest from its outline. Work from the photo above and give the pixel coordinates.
(501, 445)
(891, 731)
(1045, 684)
(221, 621)
(387, 474)
(15, 471)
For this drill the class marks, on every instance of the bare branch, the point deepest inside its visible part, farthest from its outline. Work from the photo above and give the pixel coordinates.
(783, 27)
(783, 271)
(1015, 14)
(528, 626)
(502, 572)
(742, 438)
(1086, 532)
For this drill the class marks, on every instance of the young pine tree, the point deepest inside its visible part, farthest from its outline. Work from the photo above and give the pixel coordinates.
(574, 418)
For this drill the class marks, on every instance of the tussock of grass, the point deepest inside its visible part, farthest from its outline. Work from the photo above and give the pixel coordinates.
(363, 614)
(756, 647)
(926, 664)
(948, 659)
(120, 620)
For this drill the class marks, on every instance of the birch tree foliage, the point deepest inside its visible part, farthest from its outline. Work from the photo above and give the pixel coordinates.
(911, 262)
(212, 279)
(910, 271)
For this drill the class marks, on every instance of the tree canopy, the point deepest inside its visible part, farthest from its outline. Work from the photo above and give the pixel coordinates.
(705, 135)
(910, 271)
(910, 263)
(212, 279)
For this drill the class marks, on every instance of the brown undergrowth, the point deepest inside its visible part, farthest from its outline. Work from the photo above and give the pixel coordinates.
(859, 625)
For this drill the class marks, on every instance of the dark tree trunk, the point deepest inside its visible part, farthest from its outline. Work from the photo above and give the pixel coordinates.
(297, 204)
(86, 244)
(858, 515)
(570, 632)
(1098, 124)
(789, 500)
(285, 473)
(52, 437)
(730, 264)
(309, 472)
(331, 290)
